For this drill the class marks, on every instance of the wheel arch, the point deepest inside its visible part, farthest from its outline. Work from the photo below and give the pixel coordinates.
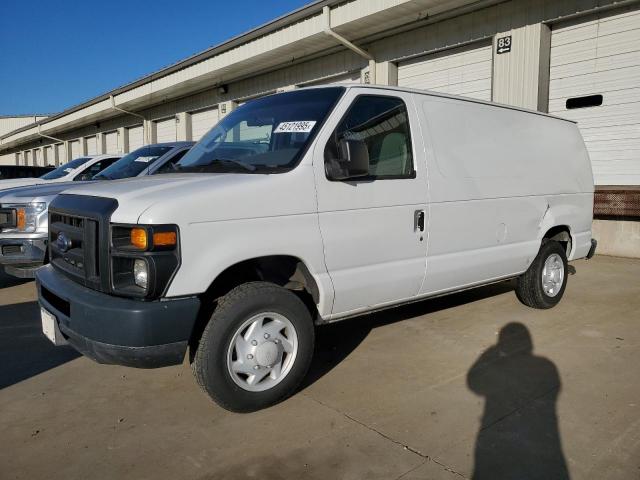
(286, 271)
(561, 234)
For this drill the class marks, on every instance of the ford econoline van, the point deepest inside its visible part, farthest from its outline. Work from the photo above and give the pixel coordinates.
(309, 207)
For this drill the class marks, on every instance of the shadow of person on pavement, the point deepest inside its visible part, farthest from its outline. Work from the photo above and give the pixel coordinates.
(518, 437)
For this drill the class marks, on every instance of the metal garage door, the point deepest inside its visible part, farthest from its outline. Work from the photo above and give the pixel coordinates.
(49, 158)
(351, 77)
(136, 138)
(75, 149)
(61, 154)
(465, 71)
(111, 142)
(595, 80)
(166, 130)
(92, 145)
(202, 122)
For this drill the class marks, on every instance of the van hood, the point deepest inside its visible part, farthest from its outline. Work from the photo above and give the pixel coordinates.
(204, 197)
(36, 193)
(19, 182)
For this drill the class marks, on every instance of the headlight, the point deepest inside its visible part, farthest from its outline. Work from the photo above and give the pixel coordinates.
(27, 216)
(141, 273)
(143, 259)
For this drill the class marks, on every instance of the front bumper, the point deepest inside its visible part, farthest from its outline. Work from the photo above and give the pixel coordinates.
(119, 331)
(22, 256)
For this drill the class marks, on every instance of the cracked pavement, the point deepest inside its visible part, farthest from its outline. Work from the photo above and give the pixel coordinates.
(473, 382)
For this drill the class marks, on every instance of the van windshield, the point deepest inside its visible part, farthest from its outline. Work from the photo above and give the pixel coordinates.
(133, 164)
(65, 169)
(268, 135)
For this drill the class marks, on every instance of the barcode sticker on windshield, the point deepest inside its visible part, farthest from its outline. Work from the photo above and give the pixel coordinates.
(144, 159)
(295, 127)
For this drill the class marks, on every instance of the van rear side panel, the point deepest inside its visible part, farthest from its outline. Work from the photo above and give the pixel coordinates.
(499, 178)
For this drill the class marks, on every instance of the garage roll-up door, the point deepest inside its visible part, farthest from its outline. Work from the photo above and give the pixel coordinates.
(111, 142)
(136, 138)
(595, 80)
(465, 71)
(75, 149)
(166, 130)
(92, 145)
(202, 122)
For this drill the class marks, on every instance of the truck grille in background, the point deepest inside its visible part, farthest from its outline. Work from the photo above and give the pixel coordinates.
(7, 218)
(8, 250)
(78, 255)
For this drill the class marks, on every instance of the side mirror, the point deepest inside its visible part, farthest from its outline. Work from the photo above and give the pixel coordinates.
(353, 161)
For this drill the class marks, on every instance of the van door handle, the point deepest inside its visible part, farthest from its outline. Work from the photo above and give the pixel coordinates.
(418, 225)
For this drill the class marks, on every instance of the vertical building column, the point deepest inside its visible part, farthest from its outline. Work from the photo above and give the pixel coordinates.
(386, 73)
(183, 126)
(83, 145)
(67, 148)
(101, 143)
(225, 108)
(17, 157)
(123, 140)
(149, 132)
(521, 66)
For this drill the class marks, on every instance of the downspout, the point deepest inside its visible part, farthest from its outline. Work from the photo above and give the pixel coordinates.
(363, 53)
(144, 126)
(64, 142)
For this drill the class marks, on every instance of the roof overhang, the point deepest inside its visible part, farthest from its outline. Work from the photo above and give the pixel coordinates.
(287, 39)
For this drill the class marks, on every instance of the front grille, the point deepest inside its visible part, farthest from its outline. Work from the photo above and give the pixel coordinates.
(75, 246)
(79, 238)
(8, 250)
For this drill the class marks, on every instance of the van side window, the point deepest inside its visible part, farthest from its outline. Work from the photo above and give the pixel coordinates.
(382, 123)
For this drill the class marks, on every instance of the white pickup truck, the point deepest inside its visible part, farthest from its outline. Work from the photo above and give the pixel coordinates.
(308, 207)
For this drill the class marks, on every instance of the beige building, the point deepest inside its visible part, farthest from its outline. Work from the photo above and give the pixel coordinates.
(578, 59)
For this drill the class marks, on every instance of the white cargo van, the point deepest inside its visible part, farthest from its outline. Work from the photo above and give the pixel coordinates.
(309, 207)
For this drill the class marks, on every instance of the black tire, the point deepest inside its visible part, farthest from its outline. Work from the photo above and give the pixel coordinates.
(210, 364)
(530, 290)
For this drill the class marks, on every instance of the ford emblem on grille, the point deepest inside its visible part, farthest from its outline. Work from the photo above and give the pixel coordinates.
(64, 243)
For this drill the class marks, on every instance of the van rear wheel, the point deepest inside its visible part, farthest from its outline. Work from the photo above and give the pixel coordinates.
(256, 349)
(542, 285)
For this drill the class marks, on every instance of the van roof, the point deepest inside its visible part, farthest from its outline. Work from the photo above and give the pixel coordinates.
(442, 95)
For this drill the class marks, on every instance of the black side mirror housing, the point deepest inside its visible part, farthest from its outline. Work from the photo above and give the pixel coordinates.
(353, 161)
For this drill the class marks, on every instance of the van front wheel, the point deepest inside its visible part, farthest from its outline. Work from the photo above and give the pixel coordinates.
(542, 285)
(256, 349)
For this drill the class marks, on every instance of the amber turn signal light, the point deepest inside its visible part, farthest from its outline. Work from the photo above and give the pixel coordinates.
(21, 219)
(165, 239)
(139, 238)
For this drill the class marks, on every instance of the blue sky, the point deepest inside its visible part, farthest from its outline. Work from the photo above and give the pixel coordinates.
(57, 53)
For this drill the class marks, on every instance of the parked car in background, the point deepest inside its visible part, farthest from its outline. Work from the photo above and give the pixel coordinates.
(308, 207)
(81, 168)
(23, 241)
(9, 172)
